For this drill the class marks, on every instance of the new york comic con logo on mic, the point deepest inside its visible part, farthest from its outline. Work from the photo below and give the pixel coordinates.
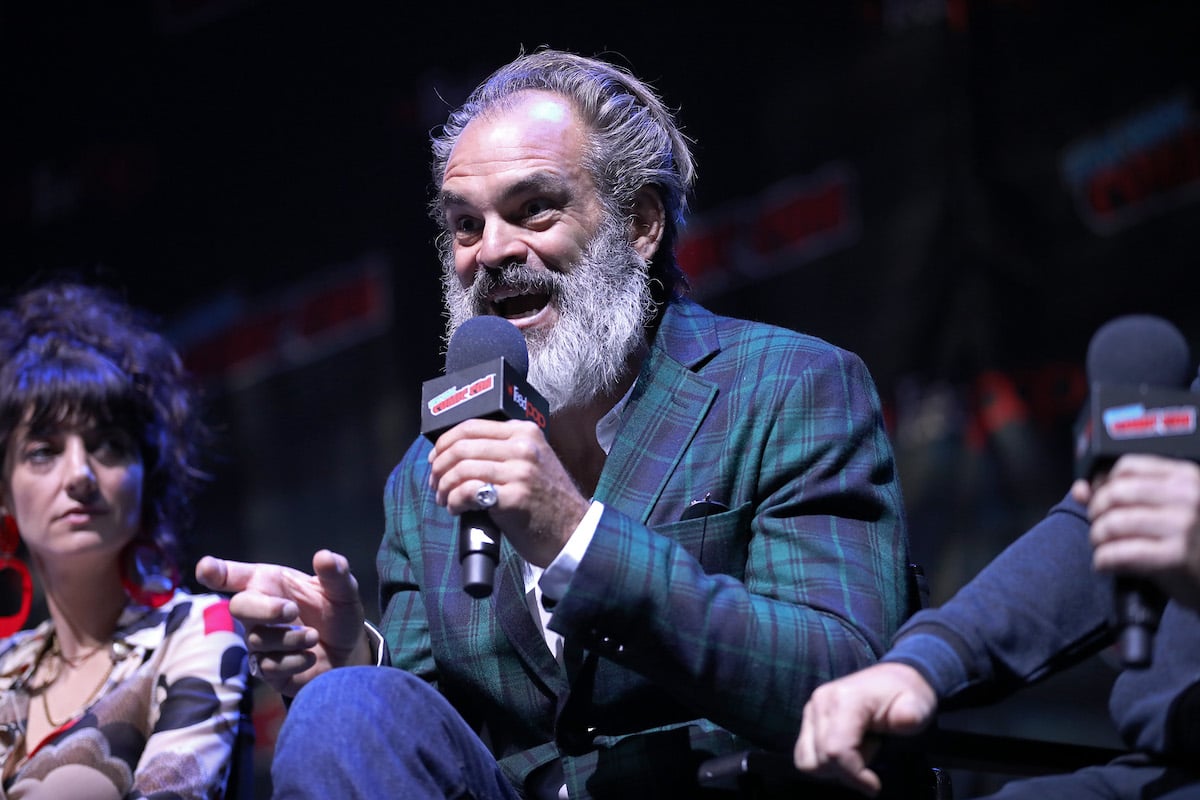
(455, 396)
(1139, 422)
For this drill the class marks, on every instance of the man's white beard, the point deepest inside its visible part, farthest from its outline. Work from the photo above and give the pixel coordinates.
(604, 306)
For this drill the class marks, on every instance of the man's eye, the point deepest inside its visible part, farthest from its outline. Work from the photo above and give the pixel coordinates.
(535, 207)
(467, 225)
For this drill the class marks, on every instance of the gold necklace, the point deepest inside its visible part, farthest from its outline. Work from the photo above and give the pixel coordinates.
(79, 658)
(45, 691)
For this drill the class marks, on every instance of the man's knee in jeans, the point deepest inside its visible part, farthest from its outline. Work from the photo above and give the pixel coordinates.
(375, 691)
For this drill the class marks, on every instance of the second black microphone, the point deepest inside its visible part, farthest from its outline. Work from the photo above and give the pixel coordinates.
(1138, 367)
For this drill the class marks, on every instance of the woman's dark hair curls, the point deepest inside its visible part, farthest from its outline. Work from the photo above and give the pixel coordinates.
(76, 352)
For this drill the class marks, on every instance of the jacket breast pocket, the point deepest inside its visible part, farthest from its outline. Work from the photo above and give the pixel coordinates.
(718, 541)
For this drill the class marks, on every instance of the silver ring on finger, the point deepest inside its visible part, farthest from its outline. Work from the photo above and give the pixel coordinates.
(486, 496)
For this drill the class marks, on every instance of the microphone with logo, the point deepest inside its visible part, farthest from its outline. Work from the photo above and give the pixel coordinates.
(486, 364)
(1138, 368)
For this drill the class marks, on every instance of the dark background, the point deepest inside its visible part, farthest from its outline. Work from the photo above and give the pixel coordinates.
(959, 191)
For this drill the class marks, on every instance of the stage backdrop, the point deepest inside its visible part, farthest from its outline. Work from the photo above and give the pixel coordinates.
(961, 192)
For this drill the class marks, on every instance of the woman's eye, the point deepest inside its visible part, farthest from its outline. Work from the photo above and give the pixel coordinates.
(113, 445)
(38, 452)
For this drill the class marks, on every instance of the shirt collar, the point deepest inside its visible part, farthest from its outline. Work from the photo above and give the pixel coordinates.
(606, 428)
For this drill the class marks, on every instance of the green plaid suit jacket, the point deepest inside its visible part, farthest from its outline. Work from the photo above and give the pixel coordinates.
(705, 635)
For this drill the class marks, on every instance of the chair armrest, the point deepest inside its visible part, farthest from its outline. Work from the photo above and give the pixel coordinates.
(942, 749)
(1013, 755)
(732, 770)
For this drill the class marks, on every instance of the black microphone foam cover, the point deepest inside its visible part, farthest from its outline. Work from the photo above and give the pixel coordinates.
(484, 338)
(486, 366)
(1139, 349)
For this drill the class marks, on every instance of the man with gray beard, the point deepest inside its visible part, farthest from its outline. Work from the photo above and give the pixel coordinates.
(604, 307)
(709, 527)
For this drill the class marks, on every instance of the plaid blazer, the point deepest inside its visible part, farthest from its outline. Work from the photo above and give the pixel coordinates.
(699, 635)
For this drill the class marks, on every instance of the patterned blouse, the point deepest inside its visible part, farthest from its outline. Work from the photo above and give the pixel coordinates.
(164, 724)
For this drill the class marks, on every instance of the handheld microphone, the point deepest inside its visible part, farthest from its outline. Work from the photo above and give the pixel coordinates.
(1138, 368)
(486, 364)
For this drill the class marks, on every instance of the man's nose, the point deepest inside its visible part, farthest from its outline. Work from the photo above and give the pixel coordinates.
(500, 244)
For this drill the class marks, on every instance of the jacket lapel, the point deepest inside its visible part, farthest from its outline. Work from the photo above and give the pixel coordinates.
(668, 404)
(516, 620)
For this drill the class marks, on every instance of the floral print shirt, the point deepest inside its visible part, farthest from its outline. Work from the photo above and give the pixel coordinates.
(163, 726)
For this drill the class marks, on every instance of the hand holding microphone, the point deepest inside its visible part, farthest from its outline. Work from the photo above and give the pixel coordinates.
(1138, 366)
(486, 364)
(1146, 522)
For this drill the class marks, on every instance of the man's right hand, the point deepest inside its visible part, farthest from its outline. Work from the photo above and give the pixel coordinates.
(836, 740)
(297, 625)
(1145, 514)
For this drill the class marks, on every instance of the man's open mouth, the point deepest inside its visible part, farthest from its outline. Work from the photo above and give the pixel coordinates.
(520, 306)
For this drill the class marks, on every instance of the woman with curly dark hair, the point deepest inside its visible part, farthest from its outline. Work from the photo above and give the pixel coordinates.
(132, 686)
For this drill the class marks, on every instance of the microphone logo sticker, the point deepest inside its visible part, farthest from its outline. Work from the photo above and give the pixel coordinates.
(531, 411)
(455, 396)
(1139, 422)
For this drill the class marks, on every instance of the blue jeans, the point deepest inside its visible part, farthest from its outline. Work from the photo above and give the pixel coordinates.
(378, 732)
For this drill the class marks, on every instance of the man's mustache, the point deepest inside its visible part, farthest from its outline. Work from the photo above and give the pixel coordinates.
(517, 277)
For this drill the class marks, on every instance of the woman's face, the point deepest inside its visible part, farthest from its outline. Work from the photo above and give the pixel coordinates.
(74, 487)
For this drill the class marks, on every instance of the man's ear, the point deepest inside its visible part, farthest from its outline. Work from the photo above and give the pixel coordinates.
(647, 223)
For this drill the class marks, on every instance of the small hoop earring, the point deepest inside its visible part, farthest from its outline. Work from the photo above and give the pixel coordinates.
(15, 580)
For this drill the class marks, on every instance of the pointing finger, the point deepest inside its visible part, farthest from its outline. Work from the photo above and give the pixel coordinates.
(337, 581)
(215, 573)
